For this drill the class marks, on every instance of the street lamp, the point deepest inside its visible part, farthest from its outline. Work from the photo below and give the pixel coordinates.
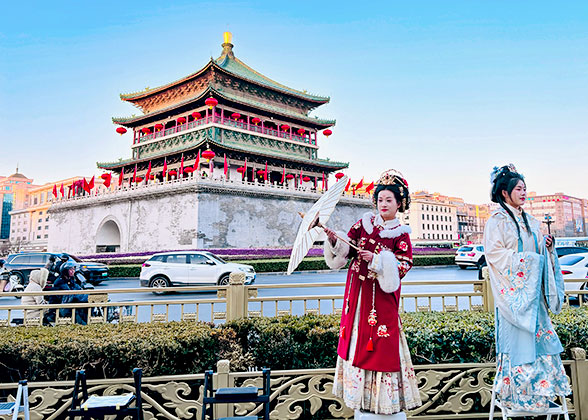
(548, 220)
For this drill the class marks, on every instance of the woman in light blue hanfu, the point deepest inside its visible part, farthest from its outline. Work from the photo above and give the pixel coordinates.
(526, 282)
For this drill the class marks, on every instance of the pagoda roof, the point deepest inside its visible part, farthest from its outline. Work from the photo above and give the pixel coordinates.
(231, 65)
(225, 94)
(259, 151)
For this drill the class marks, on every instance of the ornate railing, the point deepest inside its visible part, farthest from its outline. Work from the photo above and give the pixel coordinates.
(238, 300)
(461, 391)
(237, 184)
(227, 122)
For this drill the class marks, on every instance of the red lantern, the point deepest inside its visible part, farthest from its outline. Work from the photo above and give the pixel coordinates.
(188, 170)
(138, 179)
(151, 177)
(235, 115)
(301, 131)
(173, 172)
(285, 127)
(327, 132)
(241, 170)
(339, 175)
(145, 130)
(260, 172)
(306, 179)
(255, 120)
(181, 120)
(211, 102)
(121, 130)
(208, 154)
(196, 115)
(289, 176)
(158, 127)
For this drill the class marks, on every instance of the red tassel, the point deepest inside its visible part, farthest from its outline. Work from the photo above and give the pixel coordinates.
(370, 345)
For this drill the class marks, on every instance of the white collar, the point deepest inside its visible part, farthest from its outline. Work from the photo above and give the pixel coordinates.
(390, 228)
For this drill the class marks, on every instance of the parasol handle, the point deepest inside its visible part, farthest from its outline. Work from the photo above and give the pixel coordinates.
(319, 224)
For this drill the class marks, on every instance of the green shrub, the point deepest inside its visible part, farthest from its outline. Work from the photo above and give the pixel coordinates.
(55, 353)
(281, 265)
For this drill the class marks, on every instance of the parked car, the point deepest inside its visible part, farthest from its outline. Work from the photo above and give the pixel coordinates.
(567, 250)
(470, 256)
(190, 268)
(575, 266)
(20, 266)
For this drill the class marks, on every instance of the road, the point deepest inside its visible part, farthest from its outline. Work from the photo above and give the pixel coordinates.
(416, 274)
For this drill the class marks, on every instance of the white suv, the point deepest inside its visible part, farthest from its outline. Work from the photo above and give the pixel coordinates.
(470, 255)
(190, 268)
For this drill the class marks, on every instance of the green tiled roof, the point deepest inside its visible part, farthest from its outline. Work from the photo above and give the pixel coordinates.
(232, 97)
(233, 146)
(235, 66)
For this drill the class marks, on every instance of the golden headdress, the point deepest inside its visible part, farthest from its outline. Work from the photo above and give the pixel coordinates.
(395, 181)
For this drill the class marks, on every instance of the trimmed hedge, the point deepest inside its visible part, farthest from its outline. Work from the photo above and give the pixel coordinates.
(281, 264)
(55, 353)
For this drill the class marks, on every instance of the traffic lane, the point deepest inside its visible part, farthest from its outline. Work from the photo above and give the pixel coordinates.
(416, 274)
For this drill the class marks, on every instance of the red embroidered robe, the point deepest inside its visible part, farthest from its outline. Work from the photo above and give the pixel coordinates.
(378, 341)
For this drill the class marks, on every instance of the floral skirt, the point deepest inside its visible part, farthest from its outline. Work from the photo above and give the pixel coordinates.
(377, 392)
(531, 386)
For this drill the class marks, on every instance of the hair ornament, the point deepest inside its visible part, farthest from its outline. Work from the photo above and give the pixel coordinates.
(392, 177)
(502, 171)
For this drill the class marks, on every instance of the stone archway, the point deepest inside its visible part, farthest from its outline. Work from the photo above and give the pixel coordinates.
(108, 237)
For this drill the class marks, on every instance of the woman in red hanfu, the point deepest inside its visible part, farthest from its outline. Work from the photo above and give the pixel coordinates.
(374, 372)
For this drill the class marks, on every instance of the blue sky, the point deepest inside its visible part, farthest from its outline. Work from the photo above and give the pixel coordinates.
(442, 91)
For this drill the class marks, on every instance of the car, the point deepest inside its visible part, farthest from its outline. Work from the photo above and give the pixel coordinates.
(574, 266)
(20, 266)
(190, 268)
(470, 256)
(567, 250)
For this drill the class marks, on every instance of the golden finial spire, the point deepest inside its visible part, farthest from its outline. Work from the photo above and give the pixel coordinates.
(227, 46)
(228, 37)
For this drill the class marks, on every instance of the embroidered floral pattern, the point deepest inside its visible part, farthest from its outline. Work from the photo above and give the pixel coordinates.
(403, 246)
(372, 318)
(383, 331)
(530, 387)
(544, 335)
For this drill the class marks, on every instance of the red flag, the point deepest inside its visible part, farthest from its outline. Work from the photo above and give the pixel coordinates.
(135, 174)
(86, 186)
(369, 188)
(54, 190)
(107, 179)
(348, 185)
(245, 169)
(181, 174)
(164, 168)
(226, 166)
(265, 173)
(284, 174)
(323, 180)
(300, 176)
(91, 183)
(197, 163)
(62, 191)
(358, 186)
(148, 172)
(121, 176)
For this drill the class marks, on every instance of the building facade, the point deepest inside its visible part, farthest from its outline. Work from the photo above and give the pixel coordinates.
(14, 193)
(30, 219)
(568, 214)
(432, 218)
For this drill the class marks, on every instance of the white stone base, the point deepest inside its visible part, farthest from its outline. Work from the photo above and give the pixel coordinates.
(371, 416)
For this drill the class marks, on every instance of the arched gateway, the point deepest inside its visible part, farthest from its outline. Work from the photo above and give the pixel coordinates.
(108, 237)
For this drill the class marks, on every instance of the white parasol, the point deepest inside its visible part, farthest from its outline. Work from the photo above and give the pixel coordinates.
(313, 222)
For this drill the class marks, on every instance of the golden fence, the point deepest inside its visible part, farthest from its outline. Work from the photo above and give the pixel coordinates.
(238, 300)
(460, 391)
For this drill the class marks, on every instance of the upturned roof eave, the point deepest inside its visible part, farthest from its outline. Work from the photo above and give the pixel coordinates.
(135, 96)
(319, 162)
(130, 122)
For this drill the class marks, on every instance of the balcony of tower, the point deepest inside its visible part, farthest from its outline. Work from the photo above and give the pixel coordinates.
(259, 125)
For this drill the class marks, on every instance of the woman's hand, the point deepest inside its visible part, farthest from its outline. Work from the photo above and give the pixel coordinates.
(331, 235)
(548, 241)
(366, 255)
